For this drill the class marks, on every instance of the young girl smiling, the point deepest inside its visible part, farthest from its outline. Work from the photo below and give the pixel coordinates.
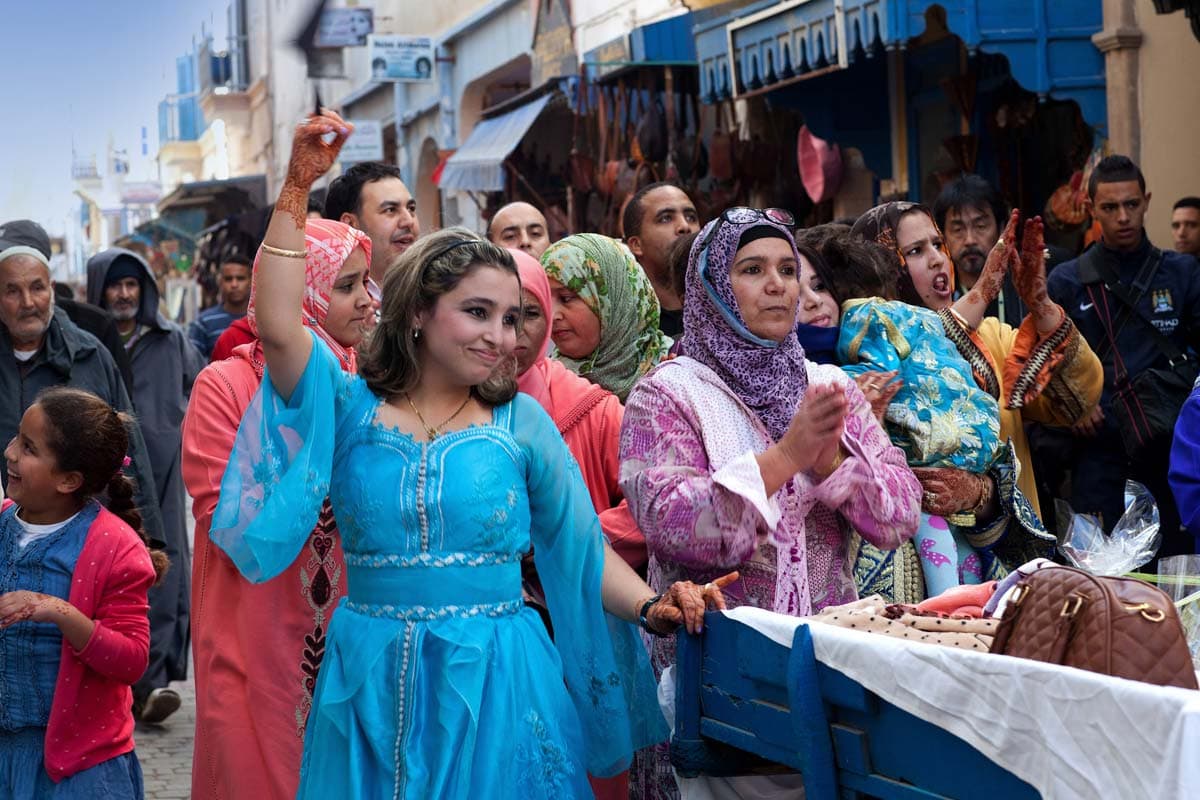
(74, 634)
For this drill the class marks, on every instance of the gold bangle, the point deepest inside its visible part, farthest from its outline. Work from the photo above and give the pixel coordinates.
(275, 251)
(838, 458)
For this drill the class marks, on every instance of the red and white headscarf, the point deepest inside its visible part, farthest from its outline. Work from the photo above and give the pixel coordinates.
(329, 244)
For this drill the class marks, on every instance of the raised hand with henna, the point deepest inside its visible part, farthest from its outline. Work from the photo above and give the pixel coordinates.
(1029, 276)
(973, 305)
(313, 154)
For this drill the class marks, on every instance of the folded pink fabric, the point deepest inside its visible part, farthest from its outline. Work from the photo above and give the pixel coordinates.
(966, 600)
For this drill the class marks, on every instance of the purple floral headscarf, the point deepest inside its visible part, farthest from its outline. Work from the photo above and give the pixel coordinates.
(769, 377)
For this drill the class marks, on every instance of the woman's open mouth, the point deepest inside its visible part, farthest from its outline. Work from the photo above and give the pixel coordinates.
(941, 283)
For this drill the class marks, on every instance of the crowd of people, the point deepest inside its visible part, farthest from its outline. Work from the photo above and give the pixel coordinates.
(453, 493)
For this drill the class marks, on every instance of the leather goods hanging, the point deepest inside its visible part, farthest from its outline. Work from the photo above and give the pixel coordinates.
(652, 130)
(720, 157)
(1115, 626)
(581, 165)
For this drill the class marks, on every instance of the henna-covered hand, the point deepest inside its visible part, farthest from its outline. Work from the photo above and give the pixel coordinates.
(25, 606)
(685, 603)
(1030, 273)
(1029, 276)
(1002, 257)
(950, 491)
(312, 156)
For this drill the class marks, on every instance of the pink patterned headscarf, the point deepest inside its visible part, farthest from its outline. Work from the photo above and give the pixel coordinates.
(329, 244)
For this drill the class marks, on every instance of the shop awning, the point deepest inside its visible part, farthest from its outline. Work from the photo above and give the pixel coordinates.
(217, 198)
(667, 42)
(478, 165)
(771, 44)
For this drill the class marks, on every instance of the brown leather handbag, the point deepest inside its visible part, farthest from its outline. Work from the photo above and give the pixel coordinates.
(1116, 626)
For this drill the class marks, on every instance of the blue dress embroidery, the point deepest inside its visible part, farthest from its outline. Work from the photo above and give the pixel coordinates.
(437, 681)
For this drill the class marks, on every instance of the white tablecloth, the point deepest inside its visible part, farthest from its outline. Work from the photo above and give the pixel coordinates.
(1067, 732)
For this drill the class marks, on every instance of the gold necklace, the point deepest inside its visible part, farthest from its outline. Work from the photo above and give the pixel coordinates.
(435, 431)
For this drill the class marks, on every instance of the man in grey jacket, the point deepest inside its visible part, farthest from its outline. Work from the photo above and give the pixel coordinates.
(165, 365)
(40, 347)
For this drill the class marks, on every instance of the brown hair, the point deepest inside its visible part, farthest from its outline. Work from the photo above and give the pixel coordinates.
(431, 267)
(677, 260)
(851, 268)
(90, 437)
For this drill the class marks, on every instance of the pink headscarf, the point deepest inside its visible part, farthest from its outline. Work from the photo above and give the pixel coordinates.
(329, 244)
(555, 387)
(535, 381)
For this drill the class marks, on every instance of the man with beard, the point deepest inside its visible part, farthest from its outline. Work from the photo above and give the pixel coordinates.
(165, 365)
(971, 215)
(653, 219)
(41, 347)
(371, 197)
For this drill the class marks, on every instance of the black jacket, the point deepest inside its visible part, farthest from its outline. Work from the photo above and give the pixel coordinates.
(70, 356)
(99, 323)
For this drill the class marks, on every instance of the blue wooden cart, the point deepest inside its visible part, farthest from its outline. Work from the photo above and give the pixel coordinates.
(746, 704)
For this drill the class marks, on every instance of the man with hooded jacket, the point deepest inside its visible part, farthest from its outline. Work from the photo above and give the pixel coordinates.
(165, 365)
(41, 347)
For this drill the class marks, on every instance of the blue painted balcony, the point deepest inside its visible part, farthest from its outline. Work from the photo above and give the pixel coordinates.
(767, 45)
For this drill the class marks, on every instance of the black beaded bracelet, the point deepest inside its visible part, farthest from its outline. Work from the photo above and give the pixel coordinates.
(643, 621)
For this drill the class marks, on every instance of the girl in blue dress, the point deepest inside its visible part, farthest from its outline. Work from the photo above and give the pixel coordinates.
(74, 578)
(437, 681)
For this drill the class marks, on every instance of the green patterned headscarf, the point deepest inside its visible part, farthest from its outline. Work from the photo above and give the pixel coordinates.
(610, 281)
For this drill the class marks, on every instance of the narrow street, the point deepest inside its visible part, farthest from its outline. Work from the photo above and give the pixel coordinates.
(165, 751)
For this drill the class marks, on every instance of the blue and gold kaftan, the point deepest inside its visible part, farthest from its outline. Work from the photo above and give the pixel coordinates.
(940, 418)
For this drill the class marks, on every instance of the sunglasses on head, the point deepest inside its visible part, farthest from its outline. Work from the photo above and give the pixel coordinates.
(742, 215)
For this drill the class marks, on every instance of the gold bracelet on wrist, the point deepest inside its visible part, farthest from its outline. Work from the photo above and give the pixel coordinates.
(276, 251)
(838, 458)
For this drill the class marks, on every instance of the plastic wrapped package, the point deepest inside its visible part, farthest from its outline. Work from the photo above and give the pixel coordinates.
(1179, 577)
(1134, 539)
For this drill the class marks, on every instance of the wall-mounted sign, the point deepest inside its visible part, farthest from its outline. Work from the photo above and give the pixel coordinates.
(608, 58)
(365, 144)
(553, 43)
(401, 58)
(345, 27)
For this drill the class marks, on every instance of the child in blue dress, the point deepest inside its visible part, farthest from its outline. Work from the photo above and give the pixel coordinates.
(74, 576)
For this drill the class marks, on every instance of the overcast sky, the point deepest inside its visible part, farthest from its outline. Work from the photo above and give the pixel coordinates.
(79, 71)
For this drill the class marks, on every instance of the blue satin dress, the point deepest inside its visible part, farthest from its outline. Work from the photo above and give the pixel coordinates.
(437, 681)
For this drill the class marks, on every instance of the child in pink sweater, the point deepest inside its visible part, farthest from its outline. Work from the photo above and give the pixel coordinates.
(74, 575)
